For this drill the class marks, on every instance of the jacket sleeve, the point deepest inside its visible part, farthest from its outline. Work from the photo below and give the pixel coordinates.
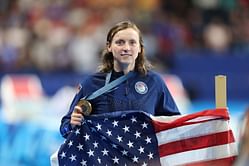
(65, 127)
(166, 104)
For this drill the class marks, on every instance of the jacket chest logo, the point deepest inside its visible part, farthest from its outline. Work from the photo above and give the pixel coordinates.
(141, 87)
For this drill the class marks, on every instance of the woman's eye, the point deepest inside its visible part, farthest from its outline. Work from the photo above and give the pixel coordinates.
(119, 42)
(122, 42)
(133, 42)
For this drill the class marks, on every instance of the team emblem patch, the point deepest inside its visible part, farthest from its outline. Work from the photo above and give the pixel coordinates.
(141, 87)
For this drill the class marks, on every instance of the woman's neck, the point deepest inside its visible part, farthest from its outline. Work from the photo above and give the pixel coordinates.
(124, 71)
(126, 68)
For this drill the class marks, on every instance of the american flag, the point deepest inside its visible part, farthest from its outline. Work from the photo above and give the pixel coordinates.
(135, 138)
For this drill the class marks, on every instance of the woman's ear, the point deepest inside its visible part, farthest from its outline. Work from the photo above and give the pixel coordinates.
(108, 47)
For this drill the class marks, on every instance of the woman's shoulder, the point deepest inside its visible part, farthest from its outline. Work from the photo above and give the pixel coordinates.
(93, 78)
(155, 75)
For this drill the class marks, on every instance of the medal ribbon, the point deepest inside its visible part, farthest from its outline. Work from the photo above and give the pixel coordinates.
(109, 86)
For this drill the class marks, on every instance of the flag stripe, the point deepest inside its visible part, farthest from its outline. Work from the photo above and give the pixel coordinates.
(205, 154)
(219, 162)
(196, 143)
(163, 124)
(182, 142)
(189, 131)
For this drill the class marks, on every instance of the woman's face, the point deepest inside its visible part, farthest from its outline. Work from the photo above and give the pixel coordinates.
(125, 48)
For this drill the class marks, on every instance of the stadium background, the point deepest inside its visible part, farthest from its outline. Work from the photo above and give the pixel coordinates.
(52, 44)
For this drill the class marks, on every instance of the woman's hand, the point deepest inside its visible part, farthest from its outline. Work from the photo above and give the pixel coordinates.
(77, 116)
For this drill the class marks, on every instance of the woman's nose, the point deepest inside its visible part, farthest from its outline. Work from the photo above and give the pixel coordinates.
(126, 46)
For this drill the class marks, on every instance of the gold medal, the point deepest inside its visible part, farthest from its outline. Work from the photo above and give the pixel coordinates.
(85, 106)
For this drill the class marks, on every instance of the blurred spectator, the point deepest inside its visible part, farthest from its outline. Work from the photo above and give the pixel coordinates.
(84, 47)
(58, 35)
(217, 37)
(206, 4)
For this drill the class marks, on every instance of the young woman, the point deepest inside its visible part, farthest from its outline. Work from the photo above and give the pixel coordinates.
(141, 89)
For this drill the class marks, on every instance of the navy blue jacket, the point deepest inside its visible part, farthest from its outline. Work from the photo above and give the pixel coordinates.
(147, 93)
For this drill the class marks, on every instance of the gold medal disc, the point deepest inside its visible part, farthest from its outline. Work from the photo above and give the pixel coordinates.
(85, 106)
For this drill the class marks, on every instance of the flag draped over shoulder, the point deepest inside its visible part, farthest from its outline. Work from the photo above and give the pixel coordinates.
(136, 138)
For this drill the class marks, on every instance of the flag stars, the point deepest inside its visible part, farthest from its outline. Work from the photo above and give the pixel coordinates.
(105, 152)
(95, 144)
(124, 153)
(120, 139)
(89, 121)
(70, 143)
(63, 154)
(141, 149)
(130, 144)
(123, 115)
(109, 133)
(87, 137)
(83, 163)
(93, 129)
(103, 137)
(90, 153)
(72, 158)
(133, 119)
(145, 164)
(126, 129)
(98, 127)
(137, 134)
(135, 159)
(115, 160)
(80, 147)
(148, 140)
(150, 155)
(77, 131)
(144, 125)
(99, 160)
(115, 123)
(114, 146)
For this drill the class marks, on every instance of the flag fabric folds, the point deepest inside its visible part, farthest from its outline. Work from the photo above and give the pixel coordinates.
(135, 138)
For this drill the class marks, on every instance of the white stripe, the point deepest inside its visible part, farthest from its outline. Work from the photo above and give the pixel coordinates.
(169, 119)
(165, 119)
(206, 154)
(202, 118)
(54, 159)
(193, 130)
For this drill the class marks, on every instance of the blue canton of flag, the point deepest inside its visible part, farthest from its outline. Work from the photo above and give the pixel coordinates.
(118, 138)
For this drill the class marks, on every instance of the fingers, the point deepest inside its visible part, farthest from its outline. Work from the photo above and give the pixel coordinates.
(77, 116)
(78, 109)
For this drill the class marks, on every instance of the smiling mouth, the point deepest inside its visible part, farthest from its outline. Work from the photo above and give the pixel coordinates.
(125, 54)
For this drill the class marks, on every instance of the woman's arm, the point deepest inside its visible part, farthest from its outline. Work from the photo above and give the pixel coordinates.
(68, 121)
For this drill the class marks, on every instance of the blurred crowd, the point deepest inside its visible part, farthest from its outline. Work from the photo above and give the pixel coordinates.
(69, 35)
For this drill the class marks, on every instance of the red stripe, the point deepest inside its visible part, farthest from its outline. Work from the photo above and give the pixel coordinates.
(184, 120)
(196, 143)
(218, 162)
